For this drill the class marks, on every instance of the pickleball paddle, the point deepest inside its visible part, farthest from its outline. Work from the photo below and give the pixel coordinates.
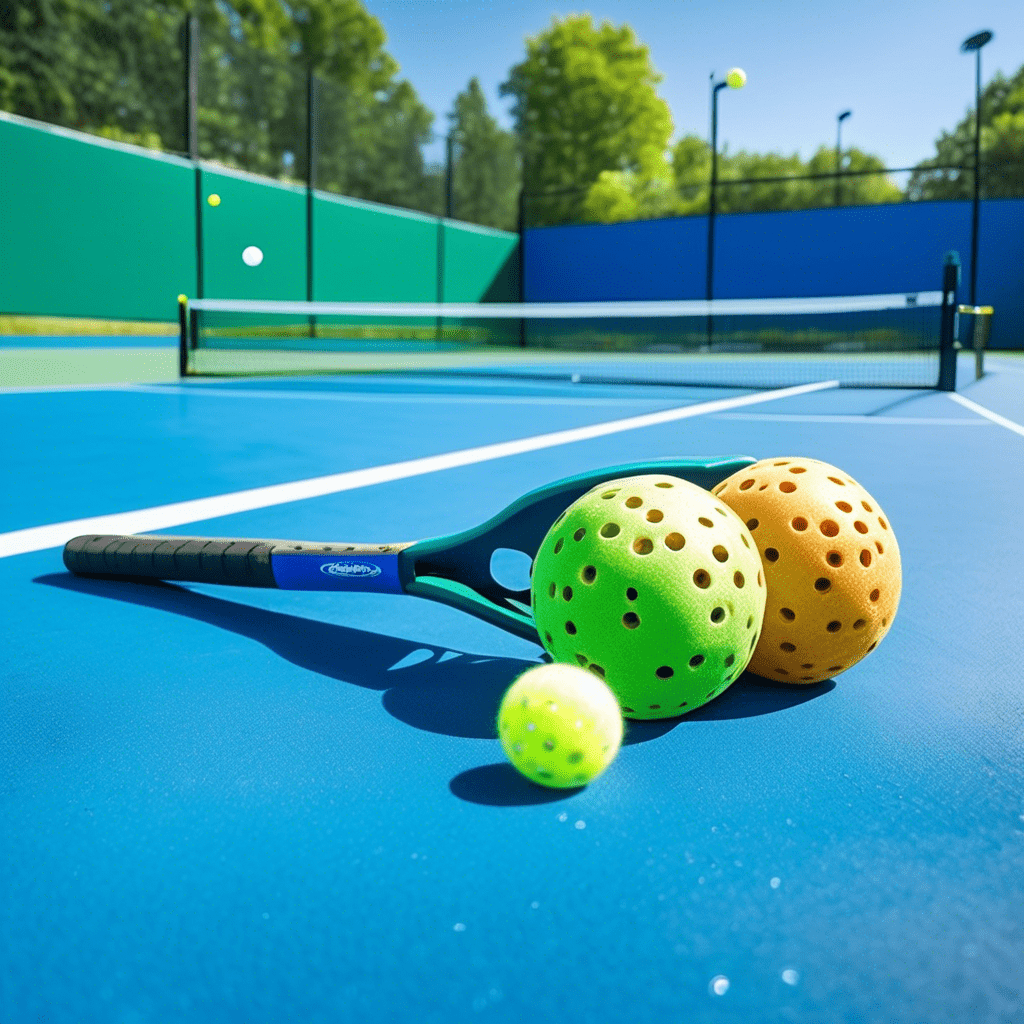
(454, 570)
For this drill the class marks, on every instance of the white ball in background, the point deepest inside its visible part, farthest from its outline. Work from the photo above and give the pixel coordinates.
(252, 255)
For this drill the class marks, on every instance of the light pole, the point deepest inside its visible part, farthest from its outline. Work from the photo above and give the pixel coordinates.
(975, 43)
(840, 118)
(735, 79)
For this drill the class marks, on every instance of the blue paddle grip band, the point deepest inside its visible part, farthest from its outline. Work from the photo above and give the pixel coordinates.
(365, 573)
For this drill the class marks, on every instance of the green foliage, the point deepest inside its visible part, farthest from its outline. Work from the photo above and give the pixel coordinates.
(116, 68)
(485, 178)
(1002, 147)
(584, 102)
(747, 182)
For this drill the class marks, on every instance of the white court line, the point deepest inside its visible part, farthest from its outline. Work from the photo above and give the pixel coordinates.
(987, 413)
(770, 417)
(161, 517)
(393, 397)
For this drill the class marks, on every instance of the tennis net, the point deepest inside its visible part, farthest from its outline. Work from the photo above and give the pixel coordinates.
(862, 341)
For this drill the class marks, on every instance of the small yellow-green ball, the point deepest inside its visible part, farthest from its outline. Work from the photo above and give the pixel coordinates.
(560, 725)
(213, 199)
(736, 78)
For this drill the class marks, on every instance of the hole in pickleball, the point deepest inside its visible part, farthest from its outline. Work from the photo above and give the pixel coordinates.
(696, 661)
(788, 614)
(702, 578)
(866, 507)
(798, 469)
(860, 527)
(738, 580)
(570, 628)
(704, 521)
(589, 574)
(834, 558)
(610, 530)
(675, 541)
(717, 614)
(579, 534)
(799, 523)
(787, 487)
(720, 553)
(860, 624)
(575, 757)
(882, 523)
(821, 585)
(771, 554)
(631, 594)
(665, 672)
(746, 485)
(729, 659)
(663, 485)
(643, 546)
(844, 506)
(634, 502)
(597, 670)
(609, 494)
(865, 557)
(878, 544)
(655, 515)
(829, 527)
(549, 744)
(581, 659)
(547, 637)
(510, 568)
(836, 480)
(753, 524)
(834, 626)
(551, 590)
(558, 545)
(807, 666)
(750, 621)
(567, 593)
(631, 620)
(875, 594)
(788, 648)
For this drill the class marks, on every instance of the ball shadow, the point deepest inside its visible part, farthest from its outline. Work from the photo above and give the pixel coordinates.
(500, 785)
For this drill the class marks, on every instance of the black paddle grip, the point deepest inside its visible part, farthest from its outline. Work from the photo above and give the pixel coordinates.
(240, 563)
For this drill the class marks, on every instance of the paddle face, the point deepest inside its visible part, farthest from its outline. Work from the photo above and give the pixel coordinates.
(454, 570)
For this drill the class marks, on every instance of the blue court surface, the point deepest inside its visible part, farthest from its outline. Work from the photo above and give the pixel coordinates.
(239, 805)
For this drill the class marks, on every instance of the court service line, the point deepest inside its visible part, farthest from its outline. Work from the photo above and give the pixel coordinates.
(862, 418)
(987, 413)
(390, 397)
(161, 517)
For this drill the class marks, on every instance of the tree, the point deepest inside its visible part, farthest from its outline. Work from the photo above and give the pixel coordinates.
(485, 175)
(584, 102)
(116, 68)
(1002, 148)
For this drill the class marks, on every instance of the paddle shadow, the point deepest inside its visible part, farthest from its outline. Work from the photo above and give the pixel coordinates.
(436, 689)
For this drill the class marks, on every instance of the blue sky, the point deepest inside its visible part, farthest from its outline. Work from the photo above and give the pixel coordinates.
(895, 64)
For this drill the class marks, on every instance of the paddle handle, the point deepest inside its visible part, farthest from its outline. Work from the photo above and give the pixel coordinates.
(279, 564)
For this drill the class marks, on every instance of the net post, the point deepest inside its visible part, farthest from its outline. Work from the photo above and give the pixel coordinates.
(947, 327)
(182, 335)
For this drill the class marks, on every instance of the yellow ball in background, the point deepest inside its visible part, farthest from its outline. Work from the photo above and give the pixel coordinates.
(213, 199)
(736, 78)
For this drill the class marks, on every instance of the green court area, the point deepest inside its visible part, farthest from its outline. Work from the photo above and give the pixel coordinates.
(69, 367)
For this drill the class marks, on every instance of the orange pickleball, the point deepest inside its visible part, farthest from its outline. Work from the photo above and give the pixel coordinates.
(831, 564)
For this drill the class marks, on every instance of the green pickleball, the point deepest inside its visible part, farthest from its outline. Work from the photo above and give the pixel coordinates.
(655, 586)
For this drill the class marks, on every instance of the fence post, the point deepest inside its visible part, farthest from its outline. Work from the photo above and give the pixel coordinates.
(947, 328)
(192, 133)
